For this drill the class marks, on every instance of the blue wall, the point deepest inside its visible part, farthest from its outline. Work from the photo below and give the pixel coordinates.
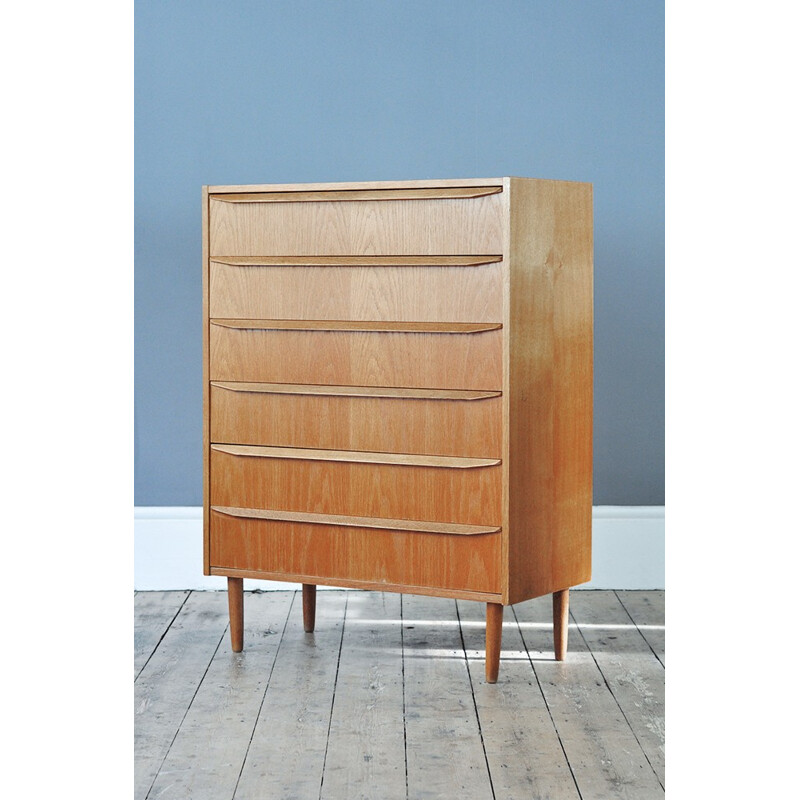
(283, 92)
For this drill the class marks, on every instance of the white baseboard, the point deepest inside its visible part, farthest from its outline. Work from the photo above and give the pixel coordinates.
(627, 549)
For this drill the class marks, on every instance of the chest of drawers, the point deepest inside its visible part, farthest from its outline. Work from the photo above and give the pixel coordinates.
(398, 390)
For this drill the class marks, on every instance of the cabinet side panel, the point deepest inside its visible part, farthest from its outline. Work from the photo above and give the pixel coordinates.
(206, 391)
(550, 394)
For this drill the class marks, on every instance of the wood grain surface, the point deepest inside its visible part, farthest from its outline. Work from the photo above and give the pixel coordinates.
(366, 227)
(355, 391)
(206, 376)
(352, 195)
(350, 418)
(375, 556)
(370, 326)
(402, 321)
(418, 360)
(381, 523)
(606, 757)
(354, 456)
(549, 387)
(389, 692)
(359, 291)
(355, 185)
(354, 261)
(436, 494)
(230, 692)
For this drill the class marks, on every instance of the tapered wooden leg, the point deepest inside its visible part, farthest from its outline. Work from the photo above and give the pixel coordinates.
(236, 613)
(309, 606)
(494, 635)
(560, 623)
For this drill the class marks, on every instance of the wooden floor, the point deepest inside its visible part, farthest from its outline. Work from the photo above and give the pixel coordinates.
(387, 699)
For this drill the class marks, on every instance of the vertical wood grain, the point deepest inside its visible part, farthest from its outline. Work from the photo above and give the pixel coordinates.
(206, 387)
(236, 612)
(309, 606)
(550, 386)
(560, 623)
(494, 638)
(505, 500)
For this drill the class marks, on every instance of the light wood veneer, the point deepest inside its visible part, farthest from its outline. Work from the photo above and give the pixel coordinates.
(371, 288)
(398, 420)
(398, 390)
(439, 359)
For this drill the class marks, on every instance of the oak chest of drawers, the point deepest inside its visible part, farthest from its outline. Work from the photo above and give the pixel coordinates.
(398, 390)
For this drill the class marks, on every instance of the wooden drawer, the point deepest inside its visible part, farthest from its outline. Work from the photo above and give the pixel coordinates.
(437, 422)
(429, 488)
(444, 221)
(424, 355)
(398, 558)
(411, 288)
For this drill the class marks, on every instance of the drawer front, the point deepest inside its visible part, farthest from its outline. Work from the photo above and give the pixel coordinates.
(470, 563)
(365, 358)
(372, 290)
(428, 226)
(270, 414)
(253, 477)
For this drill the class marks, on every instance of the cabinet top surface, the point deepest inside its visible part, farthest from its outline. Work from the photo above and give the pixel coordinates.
(416, 184)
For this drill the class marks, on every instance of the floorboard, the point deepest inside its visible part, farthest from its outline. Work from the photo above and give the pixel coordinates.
(153, 613)
(286, 757)
(631, 671)
(604, 754)
(524, 754)
(206, 758)
(445, 752)
(388, 699)
(366, 741)
(646, 609)
(166, 685)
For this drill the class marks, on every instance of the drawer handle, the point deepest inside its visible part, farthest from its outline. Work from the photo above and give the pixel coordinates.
(357, 457)
(355, 325)
(416, 526)
(355, 391)
(445, 193)
(356, 261)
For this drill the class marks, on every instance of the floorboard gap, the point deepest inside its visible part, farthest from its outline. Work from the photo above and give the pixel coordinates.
(628, 613)
(161, 638)
(611, 692)
(263, 696)
(185, 713)
(403, 674)
(333, 697)
(474, 701)
(547, 706)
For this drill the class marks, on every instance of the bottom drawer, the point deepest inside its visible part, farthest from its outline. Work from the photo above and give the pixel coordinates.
(373, 555)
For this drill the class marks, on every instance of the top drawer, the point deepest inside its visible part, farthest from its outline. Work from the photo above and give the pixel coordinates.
(444, 221)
